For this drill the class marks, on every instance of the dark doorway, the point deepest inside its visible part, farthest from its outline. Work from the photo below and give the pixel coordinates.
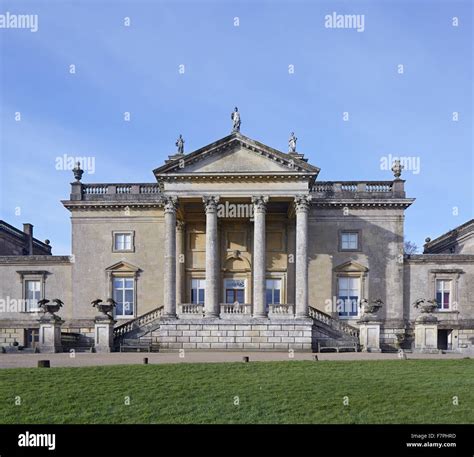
(32, 337)
(444, 339)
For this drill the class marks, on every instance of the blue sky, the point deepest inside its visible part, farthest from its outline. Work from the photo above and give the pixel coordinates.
(136, 69)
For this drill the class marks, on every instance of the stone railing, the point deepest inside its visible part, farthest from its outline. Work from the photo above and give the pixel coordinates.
(118, 192)
(144, 319)
(283, 310)
(333, 323)
(359, 189)
(191, 308)
(230, 309)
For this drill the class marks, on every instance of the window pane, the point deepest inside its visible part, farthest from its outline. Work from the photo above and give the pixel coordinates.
(240, 296)
(129, 283)
(439, 300)
(268, 296)
(446, 300)
(201, 296)
(229, 296)
(276, 296)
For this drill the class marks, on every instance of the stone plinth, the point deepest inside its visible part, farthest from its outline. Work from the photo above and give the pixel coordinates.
(426, 334)
(50, 334)
(369, 335)
(235, 334)
(103, 334)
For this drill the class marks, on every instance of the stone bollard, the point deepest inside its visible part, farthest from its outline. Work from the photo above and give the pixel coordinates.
(246, 359)
(145, 360)
(44, 364)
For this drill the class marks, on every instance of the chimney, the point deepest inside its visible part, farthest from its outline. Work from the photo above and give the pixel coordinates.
(28, 231)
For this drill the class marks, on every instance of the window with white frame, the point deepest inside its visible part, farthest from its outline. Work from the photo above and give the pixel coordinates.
(123, 241)
(443, 294)
(234, 290)
(198, 291)
(348, 296)
(273, 294)
(32, 294)
(124, 295)
(349, 241)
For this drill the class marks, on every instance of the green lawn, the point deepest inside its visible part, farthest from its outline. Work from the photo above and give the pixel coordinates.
(398, 391)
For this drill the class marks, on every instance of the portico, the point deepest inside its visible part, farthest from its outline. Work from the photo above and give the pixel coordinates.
(220, 204)
(235, 276)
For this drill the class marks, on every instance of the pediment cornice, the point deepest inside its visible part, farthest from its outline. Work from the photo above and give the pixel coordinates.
(290, 166)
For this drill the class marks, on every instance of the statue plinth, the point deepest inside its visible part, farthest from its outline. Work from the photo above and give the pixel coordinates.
(369, 333)
(104, 333)
(426, 334)
(50, 334)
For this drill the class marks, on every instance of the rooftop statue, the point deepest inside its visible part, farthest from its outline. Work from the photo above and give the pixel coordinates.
(235, 116)
(180, 144)
(292, 142)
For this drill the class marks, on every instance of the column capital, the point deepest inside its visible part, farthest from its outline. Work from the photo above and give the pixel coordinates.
(210, 202)
(302, 203)
(260, 202)
(171, 204)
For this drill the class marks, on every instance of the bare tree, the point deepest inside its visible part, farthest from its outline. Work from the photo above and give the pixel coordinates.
(410, 248)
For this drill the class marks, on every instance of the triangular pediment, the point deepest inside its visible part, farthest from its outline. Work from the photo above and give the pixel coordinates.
(235, 154)
(351, 267)
(124, 267)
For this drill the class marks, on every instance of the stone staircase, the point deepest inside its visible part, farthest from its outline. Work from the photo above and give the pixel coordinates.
(139, 327)
(332, 333)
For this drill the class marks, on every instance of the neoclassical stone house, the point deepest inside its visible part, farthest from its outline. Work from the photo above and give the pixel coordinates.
(238, 246)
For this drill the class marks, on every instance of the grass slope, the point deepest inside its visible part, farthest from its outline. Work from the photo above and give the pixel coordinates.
(402, 391)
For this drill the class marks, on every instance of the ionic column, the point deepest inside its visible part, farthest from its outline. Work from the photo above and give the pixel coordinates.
(180, 273)
(259, 261)
(211, 299)
(169, 286)
(301, 269)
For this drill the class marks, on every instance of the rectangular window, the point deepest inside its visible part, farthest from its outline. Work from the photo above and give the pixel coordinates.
(124, 295)
(198, 290)
(443, 294)
(122, 241)
(349, 241)
(273, 295)
(348, 296)
(235, 291)
(32, 294)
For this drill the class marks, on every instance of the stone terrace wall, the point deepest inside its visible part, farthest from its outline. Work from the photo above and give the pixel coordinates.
(250, 334)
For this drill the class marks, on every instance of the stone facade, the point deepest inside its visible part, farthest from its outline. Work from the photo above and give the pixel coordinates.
(239, 246)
